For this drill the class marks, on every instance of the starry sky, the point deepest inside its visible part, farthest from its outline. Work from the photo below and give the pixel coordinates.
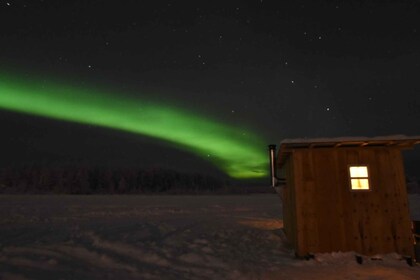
(276, 69)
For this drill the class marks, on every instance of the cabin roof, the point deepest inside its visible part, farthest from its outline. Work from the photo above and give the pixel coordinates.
(400, 141)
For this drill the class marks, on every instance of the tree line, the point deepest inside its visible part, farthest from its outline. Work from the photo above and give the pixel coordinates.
(95, 180)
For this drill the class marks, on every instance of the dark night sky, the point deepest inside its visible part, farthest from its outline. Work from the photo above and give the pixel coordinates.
(285, 69)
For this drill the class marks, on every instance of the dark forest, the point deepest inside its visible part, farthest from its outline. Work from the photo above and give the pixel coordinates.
(99, 180)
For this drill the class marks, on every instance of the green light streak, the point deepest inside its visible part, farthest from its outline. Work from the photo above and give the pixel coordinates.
(239, 154)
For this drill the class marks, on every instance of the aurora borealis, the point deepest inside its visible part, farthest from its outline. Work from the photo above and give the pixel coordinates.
(235, 151)
(201, 86)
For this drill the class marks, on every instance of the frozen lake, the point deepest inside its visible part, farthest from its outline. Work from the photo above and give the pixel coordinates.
(164, 237)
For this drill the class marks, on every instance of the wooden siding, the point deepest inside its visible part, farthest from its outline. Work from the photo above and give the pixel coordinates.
(322, 214)
(289, 205)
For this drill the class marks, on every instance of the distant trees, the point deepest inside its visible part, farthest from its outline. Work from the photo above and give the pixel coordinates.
(95, 180)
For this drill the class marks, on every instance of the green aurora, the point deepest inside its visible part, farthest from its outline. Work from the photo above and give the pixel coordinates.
(240, 155)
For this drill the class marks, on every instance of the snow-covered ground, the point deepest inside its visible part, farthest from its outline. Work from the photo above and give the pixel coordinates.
(165, 237)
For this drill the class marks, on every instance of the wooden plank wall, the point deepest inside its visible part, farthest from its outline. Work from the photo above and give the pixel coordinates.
(404, 238)
(330, 217)
(289, 204)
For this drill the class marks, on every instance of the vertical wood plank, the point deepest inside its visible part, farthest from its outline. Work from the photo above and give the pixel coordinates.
(405, 240)
(326, 200)
(300, 218)
(355, 203)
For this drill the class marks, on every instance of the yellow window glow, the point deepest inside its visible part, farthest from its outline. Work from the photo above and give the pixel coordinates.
(358, 171)
(359, 184)
(359, 177)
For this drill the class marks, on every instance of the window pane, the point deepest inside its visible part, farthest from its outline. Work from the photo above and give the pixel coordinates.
(359, 184)
(358, 171)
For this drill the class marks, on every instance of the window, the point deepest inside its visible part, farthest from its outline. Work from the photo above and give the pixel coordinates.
(359, 177)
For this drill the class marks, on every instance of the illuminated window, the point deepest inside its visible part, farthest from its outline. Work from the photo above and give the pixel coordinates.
(359, 178)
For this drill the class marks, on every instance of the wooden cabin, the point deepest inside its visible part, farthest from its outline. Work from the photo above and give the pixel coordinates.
(346, 194)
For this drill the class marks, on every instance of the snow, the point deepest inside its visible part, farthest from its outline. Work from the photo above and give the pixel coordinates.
(166, 237)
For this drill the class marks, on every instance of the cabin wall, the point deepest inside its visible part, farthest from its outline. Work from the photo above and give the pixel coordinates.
(328, 216)
(289, 203)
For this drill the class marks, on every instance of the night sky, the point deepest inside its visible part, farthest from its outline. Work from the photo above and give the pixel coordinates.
(272, 69)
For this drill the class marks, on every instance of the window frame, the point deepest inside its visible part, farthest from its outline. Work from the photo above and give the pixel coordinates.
(368, 177)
